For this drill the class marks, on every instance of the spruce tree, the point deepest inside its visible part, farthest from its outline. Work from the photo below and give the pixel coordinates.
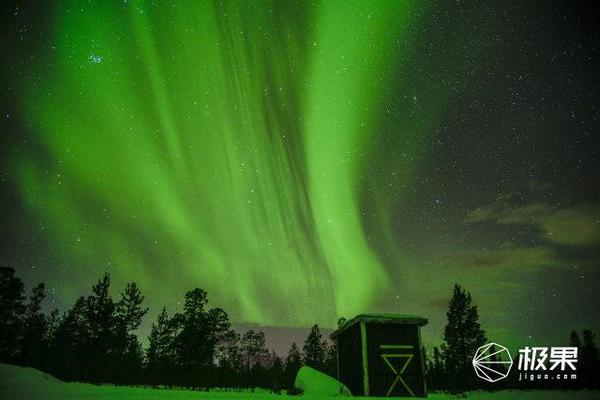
(589, 360)
(331, 360)
(11, 311)
(315, 349)
(128, 317)
(462, 336)
(330, 363)
(293, 362)
(436, 369)
(33, 340)
(67, 354)
(254, 350)
(228, 352)
(574, 340)
(129, 309)
(191, 340)
(276, 373)
(160, 354)
(101, 355)
(218, 327)
(198, 332)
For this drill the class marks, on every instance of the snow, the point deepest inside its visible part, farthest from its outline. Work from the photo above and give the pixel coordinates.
(21, 383)
(315, 383)
(522, 395)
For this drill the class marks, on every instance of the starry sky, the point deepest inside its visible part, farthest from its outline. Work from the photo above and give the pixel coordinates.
(303, 161)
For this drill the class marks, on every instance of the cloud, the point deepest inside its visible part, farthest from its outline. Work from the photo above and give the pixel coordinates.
(509, 255)
(483, 214)
(574, 226)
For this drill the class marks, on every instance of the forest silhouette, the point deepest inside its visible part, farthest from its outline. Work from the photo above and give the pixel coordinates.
(196, 347)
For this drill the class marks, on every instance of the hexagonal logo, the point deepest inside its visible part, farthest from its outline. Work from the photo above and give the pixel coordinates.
(492, 362)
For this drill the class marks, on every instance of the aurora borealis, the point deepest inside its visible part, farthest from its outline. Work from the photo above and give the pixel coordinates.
(306, 161)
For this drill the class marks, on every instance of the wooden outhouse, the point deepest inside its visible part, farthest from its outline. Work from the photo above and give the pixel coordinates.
(380, 355)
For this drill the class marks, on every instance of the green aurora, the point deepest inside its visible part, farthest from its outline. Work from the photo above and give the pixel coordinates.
(262, 151)
(231, 137)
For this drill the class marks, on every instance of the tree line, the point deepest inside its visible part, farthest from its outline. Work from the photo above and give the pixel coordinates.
(449, 368)
(196, 347)
(95, 341)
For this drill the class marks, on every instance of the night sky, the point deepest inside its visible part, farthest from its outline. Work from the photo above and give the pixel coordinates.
(305, 161)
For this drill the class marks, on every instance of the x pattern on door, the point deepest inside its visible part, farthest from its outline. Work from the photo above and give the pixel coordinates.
(387, 357)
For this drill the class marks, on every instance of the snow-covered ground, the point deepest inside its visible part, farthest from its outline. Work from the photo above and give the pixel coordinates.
(26, 383)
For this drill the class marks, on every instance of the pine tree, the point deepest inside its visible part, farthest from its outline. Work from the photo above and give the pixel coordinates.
(131, 362)
(276, 373)
(574, 340)
(218, 327)
(33, 341)
(293, 362)
(191, 341)
(11, 311)
(330, 366)
(129, 309)
(315, 349)
(462, 336)
(199, 331)
(128, 317)
(437, 369)
(52, 320)
(228, 353)
(254, 349)
(68, 344)
(330, 363)
(101, 355)
(255, 358)
(160, 353)
(589, 361)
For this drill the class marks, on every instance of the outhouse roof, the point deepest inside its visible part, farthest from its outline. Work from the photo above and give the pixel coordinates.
(402, 319)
